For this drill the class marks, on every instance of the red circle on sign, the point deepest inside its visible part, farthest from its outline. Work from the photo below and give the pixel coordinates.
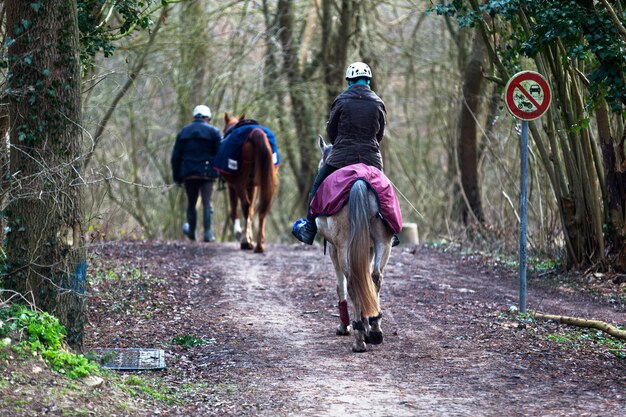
(529, 108)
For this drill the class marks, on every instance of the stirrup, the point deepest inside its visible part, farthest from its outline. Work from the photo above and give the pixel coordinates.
(395, 241)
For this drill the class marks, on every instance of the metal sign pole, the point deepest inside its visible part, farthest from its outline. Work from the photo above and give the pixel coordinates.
(527, 96)
(523, 215)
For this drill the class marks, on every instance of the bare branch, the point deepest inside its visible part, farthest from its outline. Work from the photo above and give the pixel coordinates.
(590, 324)
(618, 24)
(134, 72)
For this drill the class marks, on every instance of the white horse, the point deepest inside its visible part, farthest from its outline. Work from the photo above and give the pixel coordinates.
(359, 246)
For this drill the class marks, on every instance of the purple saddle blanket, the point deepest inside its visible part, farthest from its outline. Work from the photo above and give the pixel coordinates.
(333, 193)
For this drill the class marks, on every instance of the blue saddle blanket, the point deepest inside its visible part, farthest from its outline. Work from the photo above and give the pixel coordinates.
(228, 158)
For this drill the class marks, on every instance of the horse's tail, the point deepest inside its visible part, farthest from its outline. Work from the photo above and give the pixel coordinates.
(264, 172)
(359, 263)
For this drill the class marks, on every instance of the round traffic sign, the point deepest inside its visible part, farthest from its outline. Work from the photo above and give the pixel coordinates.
(527, 95)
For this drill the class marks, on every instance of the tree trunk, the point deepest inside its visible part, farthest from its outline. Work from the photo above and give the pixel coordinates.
(615, 179)
(193, 40)
(335, 46)
(46, 255)
(467, 145)
(4, 161)
(301, 109)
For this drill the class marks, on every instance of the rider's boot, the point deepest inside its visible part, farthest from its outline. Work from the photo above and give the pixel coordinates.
(305, 230)
(208, 219)
(189, 228)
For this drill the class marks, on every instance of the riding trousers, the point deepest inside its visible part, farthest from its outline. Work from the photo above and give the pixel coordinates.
(323, 172)
(202, 187)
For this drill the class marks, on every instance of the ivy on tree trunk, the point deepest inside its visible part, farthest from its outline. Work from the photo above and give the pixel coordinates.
(46, 255)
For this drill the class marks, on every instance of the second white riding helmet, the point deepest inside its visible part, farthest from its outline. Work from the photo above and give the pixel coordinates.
(358, 70)
(201, 111)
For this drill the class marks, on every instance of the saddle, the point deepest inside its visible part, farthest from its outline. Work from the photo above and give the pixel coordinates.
(333, 193)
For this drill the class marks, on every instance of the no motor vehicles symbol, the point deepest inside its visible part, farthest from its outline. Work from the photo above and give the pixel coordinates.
(527, 95)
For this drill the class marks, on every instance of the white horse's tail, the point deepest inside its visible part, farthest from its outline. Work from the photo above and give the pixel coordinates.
(359, 263)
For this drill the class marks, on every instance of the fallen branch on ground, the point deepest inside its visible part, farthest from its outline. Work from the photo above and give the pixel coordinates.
(592, 324)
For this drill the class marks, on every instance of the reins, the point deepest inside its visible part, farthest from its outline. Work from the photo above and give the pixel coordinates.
(326, 152)
(406, 199)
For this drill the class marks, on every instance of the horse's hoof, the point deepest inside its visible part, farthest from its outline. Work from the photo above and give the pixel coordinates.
(358, 348)
(246, 246)
(375, 338)
(258, 249)
(342, 330)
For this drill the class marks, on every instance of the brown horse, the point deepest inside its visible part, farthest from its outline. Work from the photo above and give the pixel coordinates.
(256, 177)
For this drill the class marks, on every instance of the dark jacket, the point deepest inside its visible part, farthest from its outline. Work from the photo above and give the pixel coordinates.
(194, 151)
(355, 128)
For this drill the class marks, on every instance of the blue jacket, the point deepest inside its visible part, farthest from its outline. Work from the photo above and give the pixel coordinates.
(194, 151)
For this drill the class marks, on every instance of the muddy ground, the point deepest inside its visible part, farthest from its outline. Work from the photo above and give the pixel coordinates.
(452, 347)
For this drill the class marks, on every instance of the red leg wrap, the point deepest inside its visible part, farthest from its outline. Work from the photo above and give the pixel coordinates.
(343, 312)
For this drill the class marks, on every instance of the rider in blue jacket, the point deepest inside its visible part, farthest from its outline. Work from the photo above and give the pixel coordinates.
(192, 165)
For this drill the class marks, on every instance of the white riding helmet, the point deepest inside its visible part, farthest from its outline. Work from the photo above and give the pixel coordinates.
(358, 70)
(201, 111)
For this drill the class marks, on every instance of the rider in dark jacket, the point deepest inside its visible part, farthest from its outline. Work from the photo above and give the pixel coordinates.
(192, 164)
(355, 128)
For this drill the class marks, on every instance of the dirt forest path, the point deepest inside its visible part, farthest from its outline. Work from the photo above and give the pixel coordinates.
(450, 349)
